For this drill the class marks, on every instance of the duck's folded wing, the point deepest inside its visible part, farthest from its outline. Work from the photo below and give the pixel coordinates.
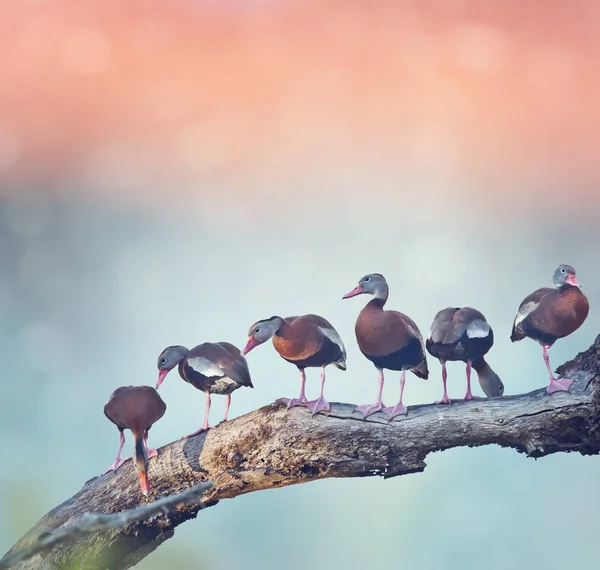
(205, 366)
(531, 303)
(442, 330)
(234, 365)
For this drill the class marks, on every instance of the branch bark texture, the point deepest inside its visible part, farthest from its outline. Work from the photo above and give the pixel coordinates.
(91, 522)
(273, 447)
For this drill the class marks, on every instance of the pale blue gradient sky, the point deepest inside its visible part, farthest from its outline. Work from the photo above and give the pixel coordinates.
(92, 292)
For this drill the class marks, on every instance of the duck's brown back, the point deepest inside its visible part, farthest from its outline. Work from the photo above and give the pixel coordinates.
(450, 324)
(134, 407)
(309, 340)
(459, 333)
(549, 314)
(215, 367)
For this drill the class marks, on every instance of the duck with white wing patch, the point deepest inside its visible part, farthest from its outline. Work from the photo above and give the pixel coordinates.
(548, 314)
(462, 333)
(214, 368)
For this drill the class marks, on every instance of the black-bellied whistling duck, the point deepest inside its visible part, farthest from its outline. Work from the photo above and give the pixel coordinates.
(213, 368)
(307, 341)
(135, 408)
(549, 314)
(464, 334)
(389, 339)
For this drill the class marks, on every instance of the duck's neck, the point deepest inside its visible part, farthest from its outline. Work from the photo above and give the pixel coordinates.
(375, 304)
(565, 287)
(480, 364)
(488, 380)
(184, 352)
(141, 456)
(380, 296)
(280, 325)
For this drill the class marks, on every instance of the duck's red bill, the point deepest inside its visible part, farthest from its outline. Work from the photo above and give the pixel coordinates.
(252, 342)
(144, 484)
(161, 377)
(356, 291)
(572, 281)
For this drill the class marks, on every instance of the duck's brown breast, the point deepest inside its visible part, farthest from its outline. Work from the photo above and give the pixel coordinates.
(380, 333)
(297, 341)
(561, 314)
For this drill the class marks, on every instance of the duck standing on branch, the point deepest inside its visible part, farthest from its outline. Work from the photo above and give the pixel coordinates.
(389, 339)
(213, 368)
(307, 341)
(135, 408)
(464, 334)
(549, 314)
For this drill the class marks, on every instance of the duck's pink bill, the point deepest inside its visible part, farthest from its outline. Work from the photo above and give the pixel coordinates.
(144, 484)
(356, 291)
(252, 342)
(161, 377)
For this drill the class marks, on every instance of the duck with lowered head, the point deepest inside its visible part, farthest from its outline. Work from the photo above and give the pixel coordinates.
(462, 333)
(135, 408)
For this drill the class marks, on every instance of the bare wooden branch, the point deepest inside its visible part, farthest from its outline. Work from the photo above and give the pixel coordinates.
(273, 447)
(95, 522)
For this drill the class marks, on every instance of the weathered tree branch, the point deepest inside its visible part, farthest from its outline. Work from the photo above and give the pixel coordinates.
(94, 522)
(272, 447)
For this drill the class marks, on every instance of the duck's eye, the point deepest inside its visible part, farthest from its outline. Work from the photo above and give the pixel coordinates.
(163, 360)
(563, 270)
(367, 279)
(256, 330)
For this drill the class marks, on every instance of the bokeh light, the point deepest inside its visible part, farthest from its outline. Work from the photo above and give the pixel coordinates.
(172, 172)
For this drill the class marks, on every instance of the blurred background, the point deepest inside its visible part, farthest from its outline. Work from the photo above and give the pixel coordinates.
(172, 172)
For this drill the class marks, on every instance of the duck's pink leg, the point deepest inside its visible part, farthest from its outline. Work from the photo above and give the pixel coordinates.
(320, 404)
(150, 451)
(445, 399)
(399, 409)
(118, 461)
(368, 409)
(469, 394)
(555, 385)
(301, 401)
(227, 404)
(205, 425)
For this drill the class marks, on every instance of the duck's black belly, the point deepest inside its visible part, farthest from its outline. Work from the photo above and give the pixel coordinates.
(464, 349)
(531, 331)
(328, 353)
(406, 358)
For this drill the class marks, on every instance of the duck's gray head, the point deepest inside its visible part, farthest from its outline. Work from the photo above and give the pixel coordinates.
(490, 383)
(168, 359)
(261, 331)
(371, 284)
(565, 275)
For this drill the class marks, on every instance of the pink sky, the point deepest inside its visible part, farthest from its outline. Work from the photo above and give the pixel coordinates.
(501, 97)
